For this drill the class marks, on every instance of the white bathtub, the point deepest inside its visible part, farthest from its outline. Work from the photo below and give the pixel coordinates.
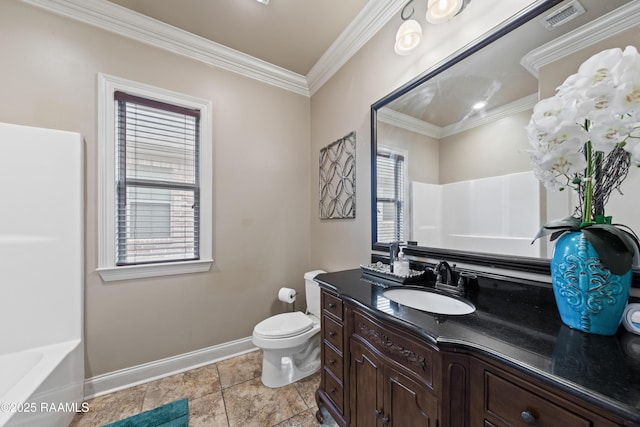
(41, 276)
(41, 386)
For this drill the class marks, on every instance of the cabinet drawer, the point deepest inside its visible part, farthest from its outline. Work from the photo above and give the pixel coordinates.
(334, 389)
(333, 361)
(332, 304)
(332, 332)
(513, 404)
(409, 353)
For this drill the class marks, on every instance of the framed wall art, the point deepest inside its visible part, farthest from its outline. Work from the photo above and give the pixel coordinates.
(338, 179)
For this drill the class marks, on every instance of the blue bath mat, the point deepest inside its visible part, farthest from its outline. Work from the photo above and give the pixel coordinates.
(174, 414)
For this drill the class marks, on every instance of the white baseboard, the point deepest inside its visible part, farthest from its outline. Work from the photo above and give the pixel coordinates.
(140, 374)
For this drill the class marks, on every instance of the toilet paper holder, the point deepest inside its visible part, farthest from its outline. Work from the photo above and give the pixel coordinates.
(287, 295)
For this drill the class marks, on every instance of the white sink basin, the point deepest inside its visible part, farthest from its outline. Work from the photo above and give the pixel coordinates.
(429, 301)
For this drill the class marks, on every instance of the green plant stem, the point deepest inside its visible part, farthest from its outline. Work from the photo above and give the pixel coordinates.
(588, 185)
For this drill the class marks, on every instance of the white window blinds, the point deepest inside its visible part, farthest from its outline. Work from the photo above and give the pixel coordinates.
(158, 189)
(390, 196)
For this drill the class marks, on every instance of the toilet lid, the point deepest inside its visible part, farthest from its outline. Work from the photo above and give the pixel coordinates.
(284, 325)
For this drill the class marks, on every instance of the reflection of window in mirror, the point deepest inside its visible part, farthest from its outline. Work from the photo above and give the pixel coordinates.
(391, 194)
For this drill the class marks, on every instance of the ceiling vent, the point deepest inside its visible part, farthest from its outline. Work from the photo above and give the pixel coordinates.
(563, 15)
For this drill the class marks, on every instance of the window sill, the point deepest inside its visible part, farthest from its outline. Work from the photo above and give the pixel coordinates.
(112, 274)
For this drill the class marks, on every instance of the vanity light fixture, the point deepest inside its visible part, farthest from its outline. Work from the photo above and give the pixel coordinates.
(409, 34)
(439, 11)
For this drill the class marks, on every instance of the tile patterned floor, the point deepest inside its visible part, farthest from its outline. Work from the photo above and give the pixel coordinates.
(224, 394)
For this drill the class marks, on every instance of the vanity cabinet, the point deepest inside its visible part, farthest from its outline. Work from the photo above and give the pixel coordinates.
(391, 376)
(507, 398)
(331, 393)
(385, 396)
(376, 373)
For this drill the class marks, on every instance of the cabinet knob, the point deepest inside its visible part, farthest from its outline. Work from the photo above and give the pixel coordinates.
(385, 420)
(332, 305)
(528, 417)
(332, 390)
(332, 362)
(332, 333)
(378, 413)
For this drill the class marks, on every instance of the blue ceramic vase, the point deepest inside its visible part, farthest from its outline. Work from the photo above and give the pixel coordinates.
(589, 297)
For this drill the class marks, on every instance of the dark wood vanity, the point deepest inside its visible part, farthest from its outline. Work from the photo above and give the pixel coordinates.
(512, 362)
(386, 365)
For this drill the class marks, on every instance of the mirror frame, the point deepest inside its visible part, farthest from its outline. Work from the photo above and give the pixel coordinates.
(519, 263)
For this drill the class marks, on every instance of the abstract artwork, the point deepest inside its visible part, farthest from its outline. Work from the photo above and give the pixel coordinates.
(338, 179)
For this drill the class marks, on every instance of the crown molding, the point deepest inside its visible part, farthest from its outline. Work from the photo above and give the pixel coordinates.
(608, 25)
(119, 20)
(366, 24)
(412, 124)
(407, 122)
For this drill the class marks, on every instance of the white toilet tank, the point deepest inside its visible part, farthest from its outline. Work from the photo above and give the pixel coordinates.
(312, 291)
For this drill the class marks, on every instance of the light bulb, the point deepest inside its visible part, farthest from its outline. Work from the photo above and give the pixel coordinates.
(408, 37)
(439, 11)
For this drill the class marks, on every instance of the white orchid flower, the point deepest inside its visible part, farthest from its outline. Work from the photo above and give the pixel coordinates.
(606, 136)
(598, 68)
(563, 160)
(594, 111)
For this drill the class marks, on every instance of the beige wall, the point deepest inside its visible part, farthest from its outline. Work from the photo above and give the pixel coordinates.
(423, 163)
(343, 104)
(48, 78)
(495, 149)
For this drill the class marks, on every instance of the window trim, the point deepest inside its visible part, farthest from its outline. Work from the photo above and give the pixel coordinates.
(406, 206)
(107, 86)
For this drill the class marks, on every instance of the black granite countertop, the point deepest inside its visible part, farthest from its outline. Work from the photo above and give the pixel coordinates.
(518, 324)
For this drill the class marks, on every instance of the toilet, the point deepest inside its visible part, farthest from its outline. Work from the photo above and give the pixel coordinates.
(290, 342)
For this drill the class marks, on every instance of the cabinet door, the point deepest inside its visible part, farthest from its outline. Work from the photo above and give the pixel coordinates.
(365, 386)
(406, 402)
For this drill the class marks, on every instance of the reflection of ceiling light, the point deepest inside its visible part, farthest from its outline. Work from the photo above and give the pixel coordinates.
(479, 105)
(409, 36)
(263, 1)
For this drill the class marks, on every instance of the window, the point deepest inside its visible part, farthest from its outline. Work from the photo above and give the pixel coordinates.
(155, 181)
(390, 200)
(157, 185)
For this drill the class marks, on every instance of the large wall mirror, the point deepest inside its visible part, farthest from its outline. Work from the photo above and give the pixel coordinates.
(449, 161)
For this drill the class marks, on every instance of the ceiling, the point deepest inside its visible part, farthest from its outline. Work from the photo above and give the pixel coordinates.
(291, 34)
(494, 75)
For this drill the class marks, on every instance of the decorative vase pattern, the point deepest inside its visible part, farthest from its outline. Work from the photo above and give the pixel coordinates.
(589, 297)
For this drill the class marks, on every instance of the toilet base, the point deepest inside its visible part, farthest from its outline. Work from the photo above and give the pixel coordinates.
(283, 367)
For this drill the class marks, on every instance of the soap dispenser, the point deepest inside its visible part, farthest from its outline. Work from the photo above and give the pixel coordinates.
(401, 265)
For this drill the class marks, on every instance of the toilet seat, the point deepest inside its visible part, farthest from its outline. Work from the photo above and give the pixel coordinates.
(283, 325)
